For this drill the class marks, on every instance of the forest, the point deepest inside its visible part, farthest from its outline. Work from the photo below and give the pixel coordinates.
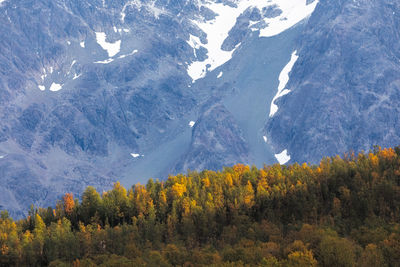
(345, 211)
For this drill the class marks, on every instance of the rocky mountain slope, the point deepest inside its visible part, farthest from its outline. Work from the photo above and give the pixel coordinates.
(92, 91)
(345, 85)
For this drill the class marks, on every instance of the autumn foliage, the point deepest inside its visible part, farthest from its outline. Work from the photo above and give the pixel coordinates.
(69, 203)
(342, 212)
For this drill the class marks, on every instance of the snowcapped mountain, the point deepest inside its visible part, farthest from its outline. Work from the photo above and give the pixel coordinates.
(93, 91)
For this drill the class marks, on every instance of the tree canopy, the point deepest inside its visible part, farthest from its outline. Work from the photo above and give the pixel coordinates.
(343, 212)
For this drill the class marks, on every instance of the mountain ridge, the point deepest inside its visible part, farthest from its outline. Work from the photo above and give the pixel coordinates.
(92, 92)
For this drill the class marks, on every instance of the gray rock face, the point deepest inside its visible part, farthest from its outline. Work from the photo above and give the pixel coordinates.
(92, 92)
(217, 141)
(345, 84)
(57, 142)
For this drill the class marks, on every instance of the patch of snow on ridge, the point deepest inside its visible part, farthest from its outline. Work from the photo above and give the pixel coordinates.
(293, 11)
(130, 54)
(55, 87)
(123, 30)
(134, 155)
(42, 87)
(82, 44)
(109, 60)
(265, 139)
(191, 124)
(220, 75)
(44, 75)
(194, 41)
(283, 80)
(72, 64)
(282, 157)
(217, 30)
(111, 48)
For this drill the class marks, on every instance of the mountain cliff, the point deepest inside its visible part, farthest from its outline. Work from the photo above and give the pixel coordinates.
(92, 92)
(345, 84)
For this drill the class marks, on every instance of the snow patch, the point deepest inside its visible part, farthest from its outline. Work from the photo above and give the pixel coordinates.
(44, 75)
(123, 30)
(283, 80)
(82, 44)
(42, 87)
(68, 42)
(194, 41)
(130, 54)
(220, 75)
(191, 124)
(283, 157)
(293, 11)
(217, 30)
(111, 48)
(55, 87)
(2, 156)
(265, 139)
(70, 67)
(134, 155)
(76, 76)
(109, 60)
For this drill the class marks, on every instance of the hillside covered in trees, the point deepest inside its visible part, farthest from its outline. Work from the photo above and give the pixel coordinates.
(343, 212)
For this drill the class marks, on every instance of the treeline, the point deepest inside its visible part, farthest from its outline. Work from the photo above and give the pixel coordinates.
(342, 212)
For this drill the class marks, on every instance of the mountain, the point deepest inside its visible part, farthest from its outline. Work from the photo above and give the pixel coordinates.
(92, 92)
(345, 84)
